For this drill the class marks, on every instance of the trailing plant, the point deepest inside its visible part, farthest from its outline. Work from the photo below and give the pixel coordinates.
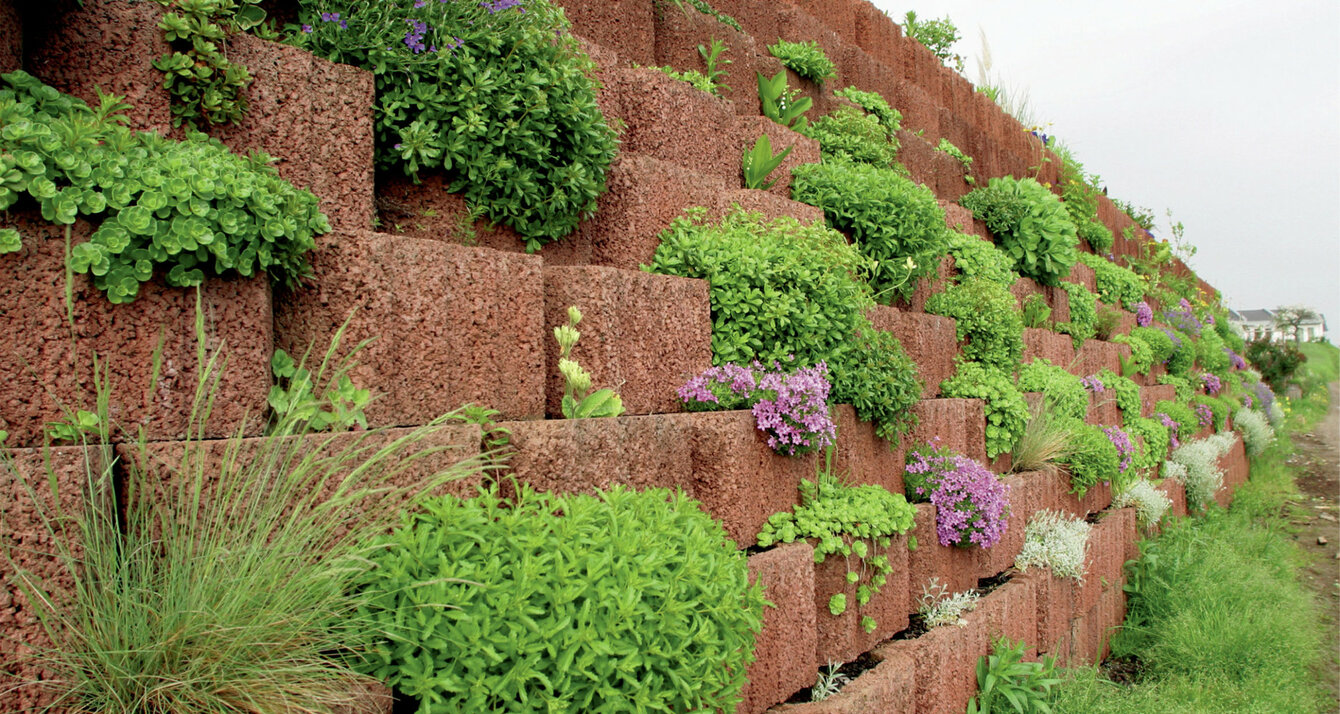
(1124, 391)
(972, 506)
(877, 378)
(205, 87)
(938, 36)
(1093, 459)
(897, 224)
(1199, 469)
(1155, 441)
(781, 103)
(1256, 431)
(1150, 504)
(1057, 541)
(1044, 443)
(186, 209)
(848, 521)
(1029, 224)
(1036, 313)
(1117, 286)
(581, 577)
(1064, 392)
(986, 319)
(938, 607)
(579, 402)
(1082, 324)
(1007, 684)
(850, 133)
(293, 398)
(518, 133)
(805, 58)
(948, 147)
(874, 103)
(1006, 411)
(760, 162)
(977, 258)
(789, 404)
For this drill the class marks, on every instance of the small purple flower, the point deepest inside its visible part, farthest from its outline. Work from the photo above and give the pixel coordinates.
(330, 17)
(1173, 427)
(791, 407)
(1125, 449)
(307, 29)
(1183, 317)
(1212, 383)
(1204, 414)
(1144, 316)
(421, 3)
(414, 35)
(1235, 359)
(1093, 383)
(499, 5)
(972, 506)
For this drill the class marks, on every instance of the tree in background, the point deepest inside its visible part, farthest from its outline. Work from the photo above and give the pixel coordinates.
(1289, 319)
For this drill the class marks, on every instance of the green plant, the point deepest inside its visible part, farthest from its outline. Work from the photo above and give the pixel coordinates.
(1117, 286)
(1036, 312)
(781, 103)
(1064, 392)
(1256, 431)
(760, 162)
(1183, 357)
(1029, 224)
(1212, 355)
(1057, 541)
(877, 378)
(1155, 440)
(1006, 683)
(974, 257)
(714, 64)
(938, 36)
(78, 427)
(1092, 460)
(1006, 411)
(938, 607)
(1219, 409)
(1125, 392)
(1150, 504)
(1159, 342)
(693, 77)
(1276, 361)
(1083, 314)
(579, 402)
(1098, 236)
(1181, 386)
(875, 104)
(706, 9)
(948, 147)
(205, 87)
(563, 603)
(1187, 422)
(850, 133)
(987, 321)
(1107, 322)
(895, 223)
(1141, 359)
(806, 59)
(846, 521)
(1080, 191)
(293, 397)
(830, 682)
(516, 130)
(1044, 443)
(190, 208)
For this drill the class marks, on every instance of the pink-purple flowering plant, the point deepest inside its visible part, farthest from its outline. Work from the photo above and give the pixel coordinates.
(1093, 383)
(972, 506)
(1235, 359)
(1173, 426)
(1183, 317)
(1211, 382)
(1204, 414)
(790, 406)
(1144, 315)
(1125, 451)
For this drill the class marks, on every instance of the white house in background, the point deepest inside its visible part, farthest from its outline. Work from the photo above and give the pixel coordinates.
(1260, 325)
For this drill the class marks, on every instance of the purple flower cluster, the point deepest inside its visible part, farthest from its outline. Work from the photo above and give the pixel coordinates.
(1183, 317)
(1093, 383)
(791, 407)
(1125, 449)
(972, 506)
(499, 5)
(334, 17)
(1233, 357)
(1264, 396)
(1212, 383)
(415, 34)
(1172, 425)
(1204, 414)
(1144, 315)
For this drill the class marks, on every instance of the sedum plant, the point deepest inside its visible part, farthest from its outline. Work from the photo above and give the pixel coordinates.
(1093, 457)
(806, 59)
(987, 321)
(850, 133)
(1056, 541)
(621, 601)
(205, 86)
(1029, 224)
(1083, 322)
(579, 402)
(1117, 286)
(978, 258)
(1006, 410)
(1065, 393)
(937, 606)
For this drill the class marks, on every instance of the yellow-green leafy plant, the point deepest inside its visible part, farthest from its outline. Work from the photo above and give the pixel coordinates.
(760, 162)
(579, 402)
(806, 59)
(206, 87)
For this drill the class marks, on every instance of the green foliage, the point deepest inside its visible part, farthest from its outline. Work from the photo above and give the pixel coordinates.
(714, 64)
(1030, 224)
(1007, 684)
(1183, 357)
(1116, 285)
(894, 222)
(579, 402)
(1006, 411)
(1036, 312)
(1155, 439)
(563, 603)
(1276, 361)
(1107, 322)
(205, 87)
(874, 103)
(986, 319)
(1079, 192)
(1210, 354)
(1159, 343)
(505, 104)
(293, 397)
(706, 9)
(189, 208)
(1219, 409)
(1098, 236)
(758, 163)
(1083, 314)
(846, 521)
(1182, 386)
(938, 36)
(877, 378)
(1227, 332)
(80, 427)
(1065, 393)
(1187, 422)
(1125, 392)
(1142, 357)
(806, 59)
(781, 103)
(974, 257)
(1093, 458)
(948, 147)
(693, 77)
(850, 133)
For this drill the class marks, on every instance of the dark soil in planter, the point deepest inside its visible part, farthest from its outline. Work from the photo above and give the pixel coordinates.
(850, 671)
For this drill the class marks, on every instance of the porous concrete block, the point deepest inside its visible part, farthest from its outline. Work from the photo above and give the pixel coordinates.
(1235, 467)
(1097, 355)
(1175, 493)
(1081, 274)
(836, 634)
(804, 150)
(861, 456)
(945, 665)
(927, 286)
(146, 350)
(929, 340)
(771, 205)
(1023, 287)
(449, 324)
(1041, 343)
(1055, 604)
(626, 26)
(1029, 492)
(679, 34)
(837, 15)
(958, 424)
(920, 112)
(878, 35)
(759, 18)
(951, 566)
(11, 38)
(1149, 396)
(630, 341)
(784, 651)
(888, 688)
(1010, 611)
(1103, 410)
(918, 156)
(672, 121)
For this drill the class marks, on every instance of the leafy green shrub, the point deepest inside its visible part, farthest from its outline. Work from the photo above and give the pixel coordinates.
(1142, 357)
(1181, 386)
(1159, 342)
(1006, 410)
(892, 220)
(938, 36)
(1008, 685)
(1124, 391)
(1057, 541)
(1211, 354)
(1227, 332)
(1183, 357)
(974, 257)
(1065, 393)
(1092, 460)
(497, 95)
(1187, 421)
(191, 208)
(293, 397)
(1219, 409)
(1036, 313)
(1116, 285)
(1276, 361)
(874, 103)
(1030, 224)
(845, 521)
(850, 133)
(563, 603)
(1155, 440)
(1083, 314)
(806, 59)
(204, 85)
(781, 104)
(1098, 236)
(877, 378)
(987, 321)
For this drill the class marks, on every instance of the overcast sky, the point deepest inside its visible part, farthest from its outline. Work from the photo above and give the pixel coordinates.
(1227, 113)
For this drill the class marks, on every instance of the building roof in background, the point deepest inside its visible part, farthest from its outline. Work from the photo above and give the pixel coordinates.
(1257, 316)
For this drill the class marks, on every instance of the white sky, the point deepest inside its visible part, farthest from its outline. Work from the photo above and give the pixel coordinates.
(1227, 113)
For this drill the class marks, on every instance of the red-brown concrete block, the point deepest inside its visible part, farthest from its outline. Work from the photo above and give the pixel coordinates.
(1175, 493)
(927, 286)
(49, 368)
(1010, 611)
(738, 478)
(625, 26)
(836, 634)
(670, 120)
(918, 156)
(11, 38)
(469, 327)
(1023, 287)
(946, 660)
(878, 34)
(1235, 467)
(679, 34)
(643, 195)
(951, 566)
(771, 205)
(38, 485)
(920, 113)
(629, 341)
(1081, 274)
(949, 172)
(1095, 499)
(958, 424)
(861, 457)
(837, 15)
(929, 340)
(784, 650)
(804, 150)
(1103, 409)
(890, 606)
(1059, 301)
(1055, 602)
(1097, 355)
(799, 25)
(1041, 343)
(1149, 396)
(961, 219)
(887, 688)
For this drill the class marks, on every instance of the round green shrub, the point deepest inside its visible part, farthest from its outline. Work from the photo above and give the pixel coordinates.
(977, 258)
(874, 103)
(877, 378)
(1210, 354)
(1155, 441)
(1006, 410)
(1092, 458)
(1083, 314)
(1065, 393)
(1183, 357)
(1116, 285)
(1159, 342)
(1124, 391)
(1188, 424)
(1030, 224)
(806, 59)
(1097, 235)
(1219, 409)
(986, 319)
(891, 219)
(1142, 357)
(498, 96)
(849, 133)
(624, 601)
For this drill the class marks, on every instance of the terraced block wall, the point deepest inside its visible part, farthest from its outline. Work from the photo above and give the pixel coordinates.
(461, 323)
